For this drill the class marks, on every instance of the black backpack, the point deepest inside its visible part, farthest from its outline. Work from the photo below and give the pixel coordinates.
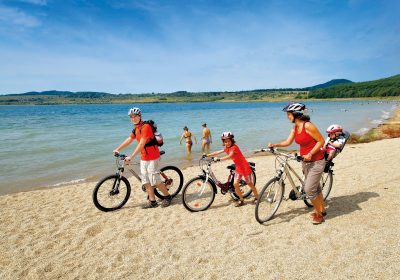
(157, 140)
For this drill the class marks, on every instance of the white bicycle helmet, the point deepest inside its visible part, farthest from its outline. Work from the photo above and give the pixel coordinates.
(294, 107)
(334, 128)
(134, 111)
(227, 135)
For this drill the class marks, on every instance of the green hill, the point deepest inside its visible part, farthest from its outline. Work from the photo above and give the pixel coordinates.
(379, 88)
(339, 88)
(330, 83)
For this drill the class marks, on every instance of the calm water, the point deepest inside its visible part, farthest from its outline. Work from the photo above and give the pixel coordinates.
(54, 145)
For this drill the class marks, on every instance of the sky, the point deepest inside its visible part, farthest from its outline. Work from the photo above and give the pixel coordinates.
(142, 46)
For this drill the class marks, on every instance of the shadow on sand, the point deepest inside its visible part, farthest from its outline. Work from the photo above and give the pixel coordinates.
(336, 206)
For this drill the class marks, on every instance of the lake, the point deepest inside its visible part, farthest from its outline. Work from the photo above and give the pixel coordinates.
(59, 144)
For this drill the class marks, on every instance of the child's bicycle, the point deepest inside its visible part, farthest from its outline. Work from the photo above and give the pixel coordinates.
(273, 192)
(198, 194)
(112, 192)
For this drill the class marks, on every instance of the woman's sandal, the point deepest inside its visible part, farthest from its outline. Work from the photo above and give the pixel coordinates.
(254, 201)
(239, 203)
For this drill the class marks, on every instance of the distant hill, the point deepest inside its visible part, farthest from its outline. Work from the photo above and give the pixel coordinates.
(329, 84)
(377, 88)
(338, 88)
(79, 94)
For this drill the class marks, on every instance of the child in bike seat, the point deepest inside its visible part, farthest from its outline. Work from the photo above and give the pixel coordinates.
(334, 142)
(243, 169)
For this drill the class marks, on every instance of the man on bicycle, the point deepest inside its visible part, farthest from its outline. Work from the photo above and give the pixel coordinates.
(150, 157)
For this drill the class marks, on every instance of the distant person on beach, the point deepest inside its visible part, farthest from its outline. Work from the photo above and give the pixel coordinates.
(149, 160)
(243, 169)
(206, 140)
(188, 139)
(335, 141)
(307, 135)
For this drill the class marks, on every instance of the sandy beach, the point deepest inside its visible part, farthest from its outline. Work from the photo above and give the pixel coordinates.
(59, 234)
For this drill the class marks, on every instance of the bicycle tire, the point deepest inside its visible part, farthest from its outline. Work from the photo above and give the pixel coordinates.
(270, 197)
(326, 186)
(193, 189)
(105, 192)
(174, 173)
(243, 185)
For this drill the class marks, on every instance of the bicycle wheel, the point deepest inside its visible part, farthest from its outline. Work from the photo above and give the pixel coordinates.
(172, 177)
(270, 199)
(326, 186)
(111, 193)
(198, 194)
(246, 190)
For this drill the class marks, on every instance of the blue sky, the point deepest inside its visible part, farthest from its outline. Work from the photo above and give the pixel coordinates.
(142, 46)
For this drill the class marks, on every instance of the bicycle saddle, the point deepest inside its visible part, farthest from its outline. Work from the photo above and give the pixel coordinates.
(231, 167)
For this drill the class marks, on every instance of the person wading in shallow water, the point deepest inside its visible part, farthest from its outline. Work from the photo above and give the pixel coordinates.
(307, 135)
(149, 160)
(188, 139)
(206, 140)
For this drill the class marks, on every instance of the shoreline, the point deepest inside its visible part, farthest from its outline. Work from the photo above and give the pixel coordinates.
(391, 125)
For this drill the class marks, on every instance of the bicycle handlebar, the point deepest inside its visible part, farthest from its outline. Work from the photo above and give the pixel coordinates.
(123, 156)
(209, 159)
(275, 151)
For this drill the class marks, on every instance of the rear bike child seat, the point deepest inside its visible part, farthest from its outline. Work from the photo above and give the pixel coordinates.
(344, 135)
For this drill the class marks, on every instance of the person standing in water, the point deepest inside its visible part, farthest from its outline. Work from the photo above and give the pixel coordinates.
(206, 140)
(188, 139)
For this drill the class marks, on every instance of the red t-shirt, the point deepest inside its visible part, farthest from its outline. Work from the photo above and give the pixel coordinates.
(242, 166)
(151, 152)
(307, 143)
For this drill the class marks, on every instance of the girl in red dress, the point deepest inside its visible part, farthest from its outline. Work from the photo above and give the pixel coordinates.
(242, 171)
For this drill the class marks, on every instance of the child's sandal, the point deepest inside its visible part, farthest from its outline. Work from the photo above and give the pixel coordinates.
(239, 203)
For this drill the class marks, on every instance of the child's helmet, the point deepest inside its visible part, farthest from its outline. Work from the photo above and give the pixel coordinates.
(227, 135)
(134, 111)
(294, 107)
(334, 128)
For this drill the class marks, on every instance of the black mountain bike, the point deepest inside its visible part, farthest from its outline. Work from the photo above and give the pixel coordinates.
(113, 191)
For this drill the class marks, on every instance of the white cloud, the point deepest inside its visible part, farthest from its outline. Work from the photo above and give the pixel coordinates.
(17, 17)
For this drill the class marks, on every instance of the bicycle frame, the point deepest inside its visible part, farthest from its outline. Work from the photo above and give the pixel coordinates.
(121, 168)
(287, 170)
(121, 165)
(209, 175)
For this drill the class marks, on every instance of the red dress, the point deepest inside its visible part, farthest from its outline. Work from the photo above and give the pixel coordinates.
(242, 166)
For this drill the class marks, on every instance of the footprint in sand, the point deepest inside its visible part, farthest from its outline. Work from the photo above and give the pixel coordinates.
(93, 230)
(132, 233)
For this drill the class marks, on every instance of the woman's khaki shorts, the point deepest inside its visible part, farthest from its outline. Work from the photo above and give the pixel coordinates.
(150, 172)
(313, 172)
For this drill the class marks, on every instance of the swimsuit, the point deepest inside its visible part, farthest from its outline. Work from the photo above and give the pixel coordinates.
(190, 141)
